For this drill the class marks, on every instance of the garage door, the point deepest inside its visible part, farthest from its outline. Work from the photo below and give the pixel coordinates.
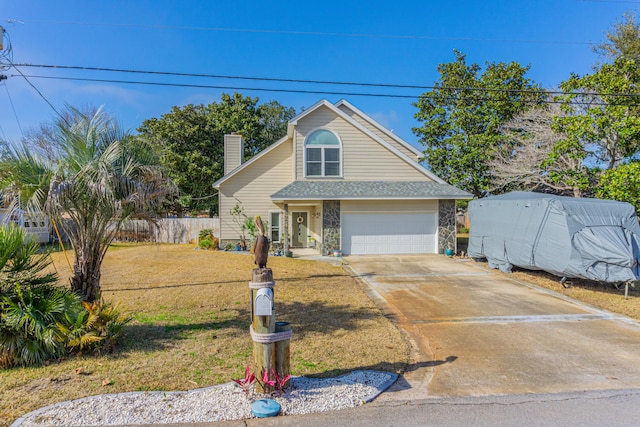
(389, 233)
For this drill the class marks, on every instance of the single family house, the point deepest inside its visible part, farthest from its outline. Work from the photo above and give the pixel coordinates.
(339, 181)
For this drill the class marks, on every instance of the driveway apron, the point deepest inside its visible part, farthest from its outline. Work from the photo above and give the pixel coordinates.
(479, 332)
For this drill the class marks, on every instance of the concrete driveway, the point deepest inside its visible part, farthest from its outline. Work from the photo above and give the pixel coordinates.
(479, 332)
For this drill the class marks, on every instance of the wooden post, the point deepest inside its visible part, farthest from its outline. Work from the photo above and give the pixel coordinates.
(263, 353)
(271, 339)
(283, 354)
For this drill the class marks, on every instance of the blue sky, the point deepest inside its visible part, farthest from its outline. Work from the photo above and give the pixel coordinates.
(398, 42)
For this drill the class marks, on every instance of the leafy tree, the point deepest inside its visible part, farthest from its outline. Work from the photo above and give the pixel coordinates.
(623, 40)
(621, 183)
(462, 116)
(533, 162)
(190, 141)
(274, 119)
(602, 113)
(95, 183)
(183, 139)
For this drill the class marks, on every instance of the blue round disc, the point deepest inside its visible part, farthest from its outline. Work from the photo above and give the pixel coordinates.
(265, 408)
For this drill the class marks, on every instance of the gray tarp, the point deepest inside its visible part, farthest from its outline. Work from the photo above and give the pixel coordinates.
(569, 237)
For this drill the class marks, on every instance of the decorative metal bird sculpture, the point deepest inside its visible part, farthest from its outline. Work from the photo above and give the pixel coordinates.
(261, 248)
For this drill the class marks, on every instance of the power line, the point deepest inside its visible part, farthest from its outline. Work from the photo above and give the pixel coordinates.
(381, 95)
(34, 88)
(298, 33)
(221, 76)
(610, 1)
(4, 135)
(321, 82)
(13, 108)
(198, 86)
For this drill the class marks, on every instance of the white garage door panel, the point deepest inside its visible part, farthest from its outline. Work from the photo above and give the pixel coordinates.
(388, 233)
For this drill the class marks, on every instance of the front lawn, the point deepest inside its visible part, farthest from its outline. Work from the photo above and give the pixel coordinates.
(191, 326)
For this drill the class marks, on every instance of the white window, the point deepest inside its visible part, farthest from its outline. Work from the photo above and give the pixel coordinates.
(274, 226)
(323, 154)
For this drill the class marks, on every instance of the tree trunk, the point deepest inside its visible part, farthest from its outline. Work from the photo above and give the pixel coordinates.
(86, 276)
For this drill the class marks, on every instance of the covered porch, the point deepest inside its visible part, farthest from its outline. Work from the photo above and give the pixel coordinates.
(300, 226)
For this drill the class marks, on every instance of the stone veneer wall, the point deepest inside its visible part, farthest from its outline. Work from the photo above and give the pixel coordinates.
(330, 226)
(446, 225)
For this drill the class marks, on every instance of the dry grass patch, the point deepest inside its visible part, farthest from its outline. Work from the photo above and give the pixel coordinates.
(191, 311)
(602, 295)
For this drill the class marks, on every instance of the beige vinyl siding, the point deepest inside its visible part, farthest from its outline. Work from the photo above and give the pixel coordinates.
(363, 159)
(389, 206)
(253, 187)
(401, 147)
(233, 152)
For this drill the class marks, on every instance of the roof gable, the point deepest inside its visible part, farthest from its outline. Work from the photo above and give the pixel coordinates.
(374, 123)
(326, 104)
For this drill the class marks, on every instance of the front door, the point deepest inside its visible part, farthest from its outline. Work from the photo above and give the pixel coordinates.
(299, 222)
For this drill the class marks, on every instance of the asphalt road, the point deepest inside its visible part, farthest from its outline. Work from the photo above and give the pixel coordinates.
(603, 408)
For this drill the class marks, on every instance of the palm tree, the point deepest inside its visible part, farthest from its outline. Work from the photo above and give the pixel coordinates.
(97, 180)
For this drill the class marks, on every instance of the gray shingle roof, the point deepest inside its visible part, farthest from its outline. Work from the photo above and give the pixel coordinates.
(338, 190)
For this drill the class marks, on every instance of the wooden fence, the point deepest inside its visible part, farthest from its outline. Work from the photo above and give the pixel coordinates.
(167, 230)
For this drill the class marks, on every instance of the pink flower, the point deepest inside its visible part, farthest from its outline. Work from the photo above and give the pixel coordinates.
(245, 383)
(266, 381)
(280, 381)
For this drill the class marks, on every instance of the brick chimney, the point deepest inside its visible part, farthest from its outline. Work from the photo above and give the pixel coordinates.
(233, 152)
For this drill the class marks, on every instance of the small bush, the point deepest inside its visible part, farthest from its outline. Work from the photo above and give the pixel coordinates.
(44, 322)
(206, 239)
(29, 319)
(208, 244)
(206, 234)
(97, 327)
(463, 230)
(40, 320)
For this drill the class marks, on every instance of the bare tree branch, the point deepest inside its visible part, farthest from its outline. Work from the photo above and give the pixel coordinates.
(526, 164)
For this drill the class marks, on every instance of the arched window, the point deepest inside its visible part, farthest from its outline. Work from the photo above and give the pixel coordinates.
(322, 154)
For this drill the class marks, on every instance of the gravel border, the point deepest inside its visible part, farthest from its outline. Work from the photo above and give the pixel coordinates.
(223, 402)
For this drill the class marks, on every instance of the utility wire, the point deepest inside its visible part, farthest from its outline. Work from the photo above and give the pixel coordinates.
(298, 33)
(609, 1)
(35, 88)
(327, 92)
(13, 108)
(199, 86)
(220, 76)
(325, 82)
(4, 135)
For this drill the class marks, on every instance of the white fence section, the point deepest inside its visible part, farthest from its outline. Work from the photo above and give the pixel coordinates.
(167, 230)
(37, 226)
